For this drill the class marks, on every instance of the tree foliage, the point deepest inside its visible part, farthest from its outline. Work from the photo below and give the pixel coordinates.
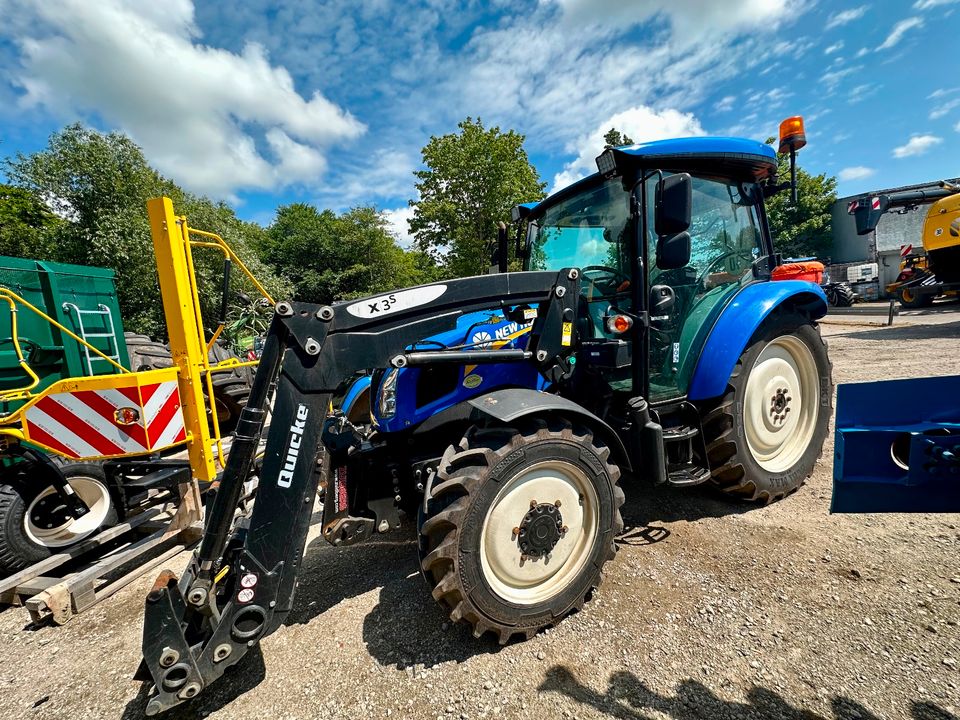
(805, 229)
(332, 257)
(615, 138)
(99, 184)
(26, 223)
(472, 180)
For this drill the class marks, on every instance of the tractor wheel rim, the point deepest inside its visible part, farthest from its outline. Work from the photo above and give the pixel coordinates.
(96, 496)
(524, 504)
(781, 404)
(907, 295)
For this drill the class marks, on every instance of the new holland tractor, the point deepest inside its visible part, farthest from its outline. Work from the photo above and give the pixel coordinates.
(645, 341)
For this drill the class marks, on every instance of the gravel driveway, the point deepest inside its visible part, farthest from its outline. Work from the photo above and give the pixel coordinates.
(710, 610)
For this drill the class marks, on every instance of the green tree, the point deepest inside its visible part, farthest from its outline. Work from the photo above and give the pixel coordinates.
(99, 183)
(26, 224)
(615, 138)
(335, 257)
(805, 229)
(473, 178)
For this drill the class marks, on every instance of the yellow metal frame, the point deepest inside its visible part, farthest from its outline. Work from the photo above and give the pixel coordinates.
(172, 245)
(181, 306)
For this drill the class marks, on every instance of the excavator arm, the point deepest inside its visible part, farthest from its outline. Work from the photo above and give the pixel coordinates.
(240, 583)
(868, 210)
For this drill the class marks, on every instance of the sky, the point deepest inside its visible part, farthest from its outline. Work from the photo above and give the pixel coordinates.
(261, 103)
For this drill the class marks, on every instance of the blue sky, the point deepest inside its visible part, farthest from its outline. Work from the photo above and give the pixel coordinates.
(266, 102)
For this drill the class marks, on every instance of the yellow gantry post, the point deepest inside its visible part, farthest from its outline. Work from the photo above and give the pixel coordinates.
(181, 306)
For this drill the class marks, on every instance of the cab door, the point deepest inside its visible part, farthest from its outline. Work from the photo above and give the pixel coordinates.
(685, 302)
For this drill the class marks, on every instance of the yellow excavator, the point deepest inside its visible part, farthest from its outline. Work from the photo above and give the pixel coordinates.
(935, 272)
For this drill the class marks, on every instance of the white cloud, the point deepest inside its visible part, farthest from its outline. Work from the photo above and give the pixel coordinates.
(833, 78)
(942, 92)
(397, 219)
(215, 121)
(725, 104)
(689, 19)
(833, 48)
(927, 4)
(641, 123)
(943, 109)
(898, 31)
(861, 52)
(847, 16)
(916, 145)
(857, 172)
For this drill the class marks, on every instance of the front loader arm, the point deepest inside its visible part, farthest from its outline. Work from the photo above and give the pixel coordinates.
(240, 583)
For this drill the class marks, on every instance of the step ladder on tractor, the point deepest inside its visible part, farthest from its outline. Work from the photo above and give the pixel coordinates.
(101, 474)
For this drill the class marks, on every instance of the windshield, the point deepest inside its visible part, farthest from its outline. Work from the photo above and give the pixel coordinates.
(586, 229)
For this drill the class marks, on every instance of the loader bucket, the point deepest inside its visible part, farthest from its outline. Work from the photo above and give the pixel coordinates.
(897, 446)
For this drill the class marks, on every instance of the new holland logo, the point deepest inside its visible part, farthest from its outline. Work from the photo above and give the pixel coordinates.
(293, 448)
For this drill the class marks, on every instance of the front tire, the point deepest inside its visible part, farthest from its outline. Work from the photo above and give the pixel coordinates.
(519, 526)
(765, 434)
(33, 525)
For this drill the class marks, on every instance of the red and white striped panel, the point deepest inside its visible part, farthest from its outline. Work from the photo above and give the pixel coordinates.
(83, 424)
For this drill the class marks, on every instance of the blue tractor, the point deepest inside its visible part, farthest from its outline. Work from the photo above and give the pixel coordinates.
(645, 336)
(692, 367)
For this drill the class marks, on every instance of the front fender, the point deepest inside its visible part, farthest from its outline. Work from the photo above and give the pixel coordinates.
(739, 321)
(511, 404)
(356, 390)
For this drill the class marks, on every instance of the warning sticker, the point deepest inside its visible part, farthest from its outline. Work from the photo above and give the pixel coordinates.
(566, 337)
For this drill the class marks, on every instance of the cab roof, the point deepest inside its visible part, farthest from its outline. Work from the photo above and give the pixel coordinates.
(722, 157)
(734, 157)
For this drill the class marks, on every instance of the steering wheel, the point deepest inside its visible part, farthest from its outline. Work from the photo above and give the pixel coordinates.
(614, 280)
(716, 262)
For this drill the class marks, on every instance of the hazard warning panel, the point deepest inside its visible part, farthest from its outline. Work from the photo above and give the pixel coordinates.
(108, 416)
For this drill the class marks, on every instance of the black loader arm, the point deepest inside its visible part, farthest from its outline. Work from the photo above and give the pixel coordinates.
(240, 583)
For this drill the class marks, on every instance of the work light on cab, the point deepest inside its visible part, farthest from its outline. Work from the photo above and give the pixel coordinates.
(792, 138)
(792, 135)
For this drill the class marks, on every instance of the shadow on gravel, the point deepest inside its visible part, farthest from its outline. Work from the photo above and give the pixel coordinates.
(242, 677)
(628, 698)
(406, 628)
(904, 332)
(647, 507)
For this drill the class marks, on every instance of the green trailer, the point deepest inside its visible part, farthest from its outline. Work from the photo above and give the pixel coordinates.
(83, 299)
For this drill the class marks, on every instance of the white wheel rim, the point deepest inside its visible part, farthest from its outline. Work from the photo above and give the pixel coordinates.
(93, 493)
(781, 404)
(525, 581)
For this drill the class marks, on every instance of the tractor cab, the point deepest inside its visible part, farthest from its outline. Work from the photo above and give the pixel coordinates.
(665, 234)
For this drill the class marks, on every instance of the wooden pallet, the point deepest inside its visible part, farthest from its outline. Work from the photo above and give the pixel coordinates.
(151, 538)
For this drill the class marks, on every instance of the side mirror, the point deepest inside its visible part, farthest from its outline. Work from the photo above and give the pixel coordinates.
(673, 251)
(674, 200)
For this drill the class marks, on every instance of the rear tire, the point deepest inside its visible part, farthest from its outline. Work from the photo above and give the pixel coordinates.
(843, 295)
(757, 449)
(25, 537)
(487, 487)
(910, 298)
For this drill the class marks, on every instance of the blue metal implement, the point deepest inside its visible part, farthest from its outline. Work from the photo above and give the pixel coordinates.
(897, 446)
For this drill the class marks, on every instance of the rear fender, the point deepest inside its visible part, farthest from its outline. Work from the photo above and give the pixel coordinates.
(739, 322)
(510, 405)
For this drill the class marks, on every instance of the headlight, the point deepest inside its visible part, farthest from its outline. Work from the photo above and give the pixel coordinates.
(387, 395)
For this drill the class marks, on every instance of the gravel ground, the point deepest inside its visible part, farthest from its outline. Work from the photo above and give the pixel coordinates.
(710, 610)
